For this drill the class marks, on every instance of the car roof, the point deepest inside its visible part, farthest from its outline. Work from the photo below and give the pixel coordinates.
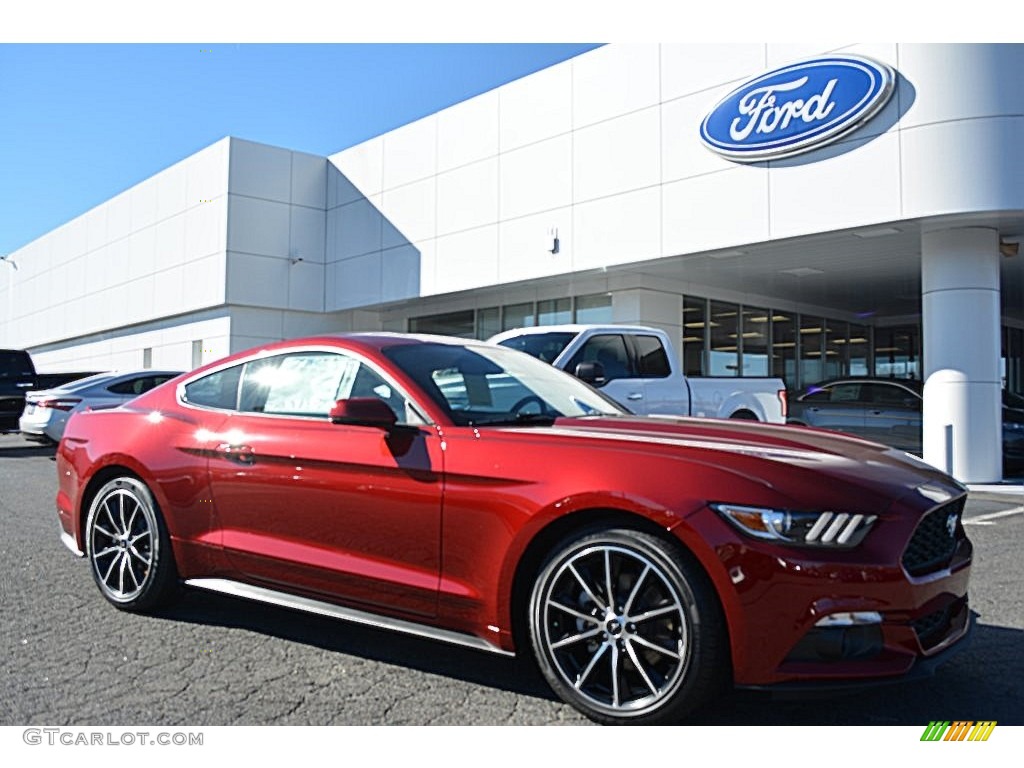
(913, 385)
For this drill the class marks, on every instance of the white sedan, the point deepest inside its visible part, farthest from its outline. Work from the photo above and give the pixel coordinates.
(47, 410)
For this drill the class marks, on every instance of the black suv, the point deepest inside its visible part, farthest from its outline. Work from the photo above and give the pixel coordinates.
(17, 376)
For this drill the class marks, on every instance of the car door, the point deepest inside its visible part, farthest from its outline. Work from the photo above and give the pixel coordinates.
(350, 512)
(837, 406)
(662, 392)
(893, 415)
(622, 383)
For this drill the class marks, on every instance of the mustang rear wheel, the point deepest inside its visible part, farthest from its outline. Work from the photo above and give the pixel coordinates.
(626, 629)
(128, 547)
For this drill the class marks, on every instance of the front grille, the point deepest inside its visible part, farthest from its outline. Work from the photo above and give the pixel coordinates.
(931, 629)
(933, 543)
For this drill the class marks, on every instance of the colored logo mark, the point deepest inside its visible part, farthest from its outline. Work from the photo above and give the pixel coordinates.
(959, 730)
(797, 108)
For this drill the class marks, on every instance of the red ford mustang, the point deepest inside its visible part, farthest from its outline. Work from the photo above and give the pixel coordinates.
(472, 494)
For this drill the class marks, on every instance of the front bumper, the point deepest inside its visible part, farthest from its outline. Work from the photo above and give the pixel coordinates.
(778, 601)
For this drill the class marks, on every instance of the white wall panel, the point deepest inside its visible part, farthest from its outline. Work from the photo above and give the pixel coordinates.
(467, 259)
(616, 230)
(428, 267)
(467, 132)
(683, 155)
(258, 170)
(140, 299)
(96, 227)
(523, 246)
(357, 281)
(361, 172)
(687, 68)
(172, 191)
(858, 185)
(357, 230)
(986, 175)
(409, 213)
(144, 204)
(960, 82)
(779, 54)
(307, 234)
(168, 292)
(170, 242)
(467, 197)
(400, 273)
(119, 217)
(536, 107)
(617, 155)
(410, 153)
(203, 281)
(309, 180)
(257, 226)
(205, 228)
(536, 178)
(715, 211)
(614, 80)
(141, 253)
(306, 286)
(256, 280)
(207, 173)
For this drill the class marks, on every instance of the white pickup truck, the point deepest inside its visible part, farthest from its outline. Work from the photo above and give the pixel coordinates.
(638, 367)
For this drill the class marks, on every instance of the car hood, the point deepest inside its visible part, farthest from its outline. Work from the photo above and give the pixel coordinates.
(801, 463)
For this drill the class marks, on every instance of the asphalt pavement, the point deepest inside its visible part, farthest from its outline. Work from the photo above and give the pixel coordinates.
(72, 659)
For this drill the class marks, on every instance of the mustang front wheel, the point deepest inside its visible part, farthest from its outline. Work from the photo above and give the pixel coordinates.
(626, 629)
(128, 546)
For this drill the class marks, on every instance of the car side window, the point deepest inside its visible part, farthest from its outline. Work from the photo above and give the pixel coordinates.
(890, 395)
(651, 357)
(309, 384)
(217, 390)
(610, 351)
(845, 393)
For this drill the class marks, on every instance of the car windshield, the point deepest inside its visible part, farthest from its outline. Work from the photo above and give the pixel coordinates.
(543, 346)
(478, 385)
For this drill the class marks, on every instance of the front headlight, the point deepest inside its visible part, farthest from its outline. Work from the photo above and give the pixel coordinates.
(836, 530)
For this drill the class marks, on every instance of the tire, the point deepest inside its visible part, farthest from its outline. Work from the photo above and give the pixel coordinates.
(128, 547)
(617, 664)
(745, 416)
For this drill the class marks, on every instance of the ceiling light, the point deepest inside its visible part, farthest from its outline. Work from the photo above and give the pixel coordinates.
(801, 272)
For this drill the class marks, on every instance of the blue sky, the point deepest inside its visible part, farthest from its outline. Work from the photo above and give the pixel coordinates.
(80, 123)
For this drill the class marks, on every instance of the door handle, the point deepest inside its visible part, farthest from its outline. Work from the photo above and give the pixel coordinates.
(243, 454)
(876, 413)
(635, 396)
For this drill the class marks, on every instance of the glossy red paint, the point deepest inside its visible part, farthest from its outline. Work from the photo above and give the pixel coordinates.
(439, 523)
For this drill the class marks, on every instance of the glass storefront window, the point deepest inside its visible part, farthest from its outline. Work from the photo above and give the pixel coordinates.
(834, 363)
(896, 352)
(784, 348)
(695, 313)
(858, 348)
(488, 322)
(594, 309)
(517, 316)
(754, 330)
(724, 355)
(447, 324)
(811, 335)
(554, 311)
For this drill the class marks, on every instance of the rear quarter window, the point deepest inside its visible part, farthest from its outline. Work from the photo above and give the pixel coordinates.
(218, 390)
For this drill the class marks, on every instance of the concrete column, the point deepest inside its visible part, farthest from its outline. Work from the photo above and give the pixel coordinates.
(655, 309)
(960, 325)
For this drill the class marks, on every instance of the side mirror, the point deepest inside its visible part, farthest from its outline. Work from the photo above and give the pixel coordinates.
(591, 373)
(363, 412)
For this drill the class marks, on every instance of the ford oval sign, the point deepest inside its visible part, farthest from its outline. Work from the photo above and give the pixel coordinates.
(797, 108)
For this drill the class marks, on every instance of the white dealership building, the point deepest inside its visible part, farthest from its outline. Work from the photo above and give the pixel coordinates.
(886, 245)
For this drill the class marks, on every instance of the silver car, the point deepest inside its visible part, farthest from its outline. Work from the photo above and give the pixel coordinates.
(47, 410)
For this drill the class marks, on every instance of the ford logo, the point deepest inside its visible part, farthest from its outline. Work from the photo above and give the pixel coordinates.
(797, 108)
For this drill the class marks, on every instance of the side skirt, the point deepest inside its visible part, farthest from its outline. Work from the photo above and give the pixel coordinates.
(285, 600)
